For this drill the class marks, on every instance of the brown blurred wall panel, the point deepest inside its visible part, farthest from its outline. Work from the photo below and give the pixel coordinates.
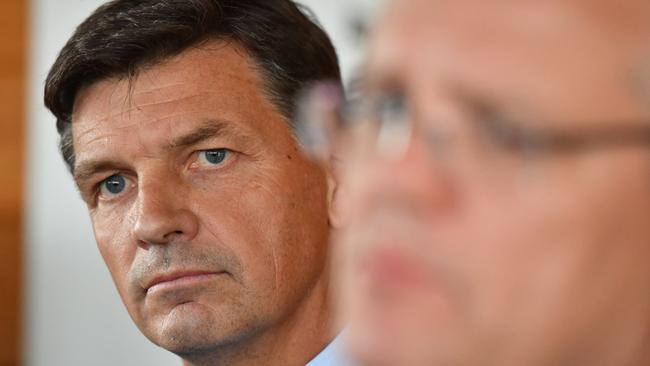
(13, 44)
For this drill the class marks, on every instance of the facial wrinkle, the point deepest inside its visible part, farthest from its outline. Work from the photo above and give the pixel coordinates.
(158, 103)
(182, 255)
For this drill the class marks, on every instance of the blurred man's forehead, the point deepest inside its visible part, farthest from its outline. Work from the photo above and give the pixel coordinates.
(612, 11)
(552, 51)
(429, 23)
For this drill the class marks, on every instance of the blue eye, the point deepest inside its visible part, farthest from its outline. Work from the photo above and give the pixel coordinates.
(113, 185)
(214, 157)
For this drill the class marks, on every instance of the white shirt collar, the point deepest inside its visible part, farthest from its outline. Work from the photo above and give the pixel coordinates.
(333, 355)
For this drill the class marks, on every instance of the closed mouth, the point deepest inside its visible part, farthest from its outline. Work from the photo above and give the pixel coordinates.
(178, 279)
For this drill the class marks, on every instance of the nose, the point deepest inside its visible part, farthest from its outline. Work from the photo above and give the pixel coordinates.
(162, 213)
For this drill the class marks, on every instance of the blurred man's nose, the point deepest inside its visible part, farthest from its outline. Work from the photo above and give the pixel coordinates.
(162, 211)
(410, 181)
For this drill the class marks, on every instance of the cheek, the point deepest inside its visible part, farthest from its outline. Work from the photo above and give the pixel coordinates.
(243, 218)
(549, 249)
(506, 244)
(116, 246)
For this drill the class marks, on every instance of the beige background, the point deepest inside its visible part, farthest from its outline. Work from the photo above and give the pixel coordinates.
(13, 29)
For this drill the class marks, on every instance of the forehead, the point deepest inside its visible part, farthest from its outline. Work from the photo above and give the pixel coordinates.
(513, 46)
(215, 81)
(514, 23)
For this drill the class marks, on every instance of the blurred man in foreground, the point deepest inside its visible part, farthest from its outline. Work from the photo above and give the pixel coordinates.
(498, 186)
(176, 121)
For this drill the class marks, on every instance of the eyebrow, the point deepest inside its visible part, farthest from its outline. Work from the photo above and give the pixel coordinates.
(207, 130)
(211, 128)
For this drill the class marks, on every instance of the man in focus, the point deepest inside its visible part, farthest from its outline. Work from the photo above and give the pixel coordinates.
(176, 122)
(497, 175)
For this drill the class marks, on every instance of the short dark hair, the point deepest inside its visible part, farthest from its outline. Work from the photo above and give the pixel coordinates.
(122, 37)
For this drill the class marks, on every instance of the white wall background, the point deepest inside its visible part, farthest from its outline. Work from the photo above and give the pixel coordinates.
(74, 315)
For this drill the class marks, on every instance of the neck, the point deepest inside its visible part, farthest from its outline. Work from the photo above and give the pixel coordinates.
(293, 341)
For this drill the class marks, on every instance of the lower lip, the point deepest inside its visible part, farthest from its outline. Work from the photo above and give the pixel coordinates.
(182, 282)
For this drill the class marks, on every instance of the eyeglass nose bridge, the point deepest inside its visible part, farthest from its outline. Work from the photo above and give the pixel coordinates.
(439, 146)
(395, 136)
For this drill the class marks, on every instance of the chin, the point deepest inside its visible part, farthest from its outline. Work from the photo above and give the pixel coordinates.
(188, 328)
(402, 330)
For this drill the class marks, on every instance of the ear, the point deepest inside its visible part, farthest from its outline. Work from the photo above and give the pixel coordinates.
(335, 192)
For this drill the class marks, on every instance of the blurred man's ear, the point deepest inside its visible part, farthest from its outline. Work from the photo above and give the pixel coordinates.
(336, 193)
(319, 119)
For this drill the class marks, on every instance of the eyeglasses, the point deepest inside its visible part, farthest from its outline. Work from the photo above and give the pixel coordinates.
(479, 138)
